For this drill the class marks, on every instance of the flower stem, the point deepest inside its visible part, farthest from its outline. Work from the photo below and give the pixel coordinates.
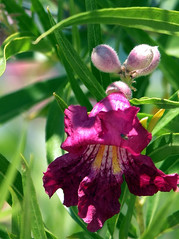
(140, 216)
(124, 227)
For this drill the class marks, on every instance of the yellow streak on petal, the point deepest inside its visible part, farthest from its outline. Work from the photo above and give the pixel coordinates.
(115, 160)
(155, 119)
(99, 157)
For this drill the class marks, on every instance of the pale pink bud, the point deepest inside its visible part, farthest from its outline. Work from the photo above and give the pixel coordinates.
(140, 57)
(119, 86)
(105, 59)
(154, 63)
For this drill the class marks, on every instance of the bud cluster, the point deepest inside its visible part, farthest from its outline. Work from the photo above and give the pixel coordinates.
(142, 60)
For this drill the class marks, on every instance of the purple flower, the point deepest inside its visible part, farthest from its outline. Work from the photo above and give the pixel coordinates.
(103, 146)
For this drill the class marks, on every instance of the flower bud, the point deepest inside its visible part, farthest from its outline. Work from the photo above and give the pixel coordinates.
(154, 63)
(105, 59)
(119, 86)
(139, 58)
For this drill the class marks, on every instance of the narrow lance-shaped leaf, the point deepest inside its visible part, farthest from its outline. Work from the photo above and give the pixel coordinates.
(12, 104)
(12, 168)
(38, 227)
(24, 20)
(79, 67)
(54, 131)
(43, 17)
(171, 164)
(95, 39)
(164, 146)
(171, 221)
(125, 225)
(146, 18)
(80, 96)
(159, 219)
(18, 43)
(62, 104)
(75, 32)
(160, 103)
(17, 183)
(168, 117)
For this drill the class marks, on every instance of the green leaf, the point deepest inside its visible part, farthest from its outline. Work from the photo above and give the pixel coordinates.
(38, 228)
(18, 43)
(80, 235)
(54, 132)
(43, 17)
(25, 229)
(78, 66)
(4, 234)
(62, 104)
(17, 183)
(171, 221)
(80, 96)
(111, 224)
(164, 146)
(171, 164)
(8, 178)
(168, 118)
(16, 213)
(75, 32)
(146, 18)
(160, 103)
(12, 104)
(50, 235)
(95, 39)
(125, 224)
(154, 228)
(24, 20)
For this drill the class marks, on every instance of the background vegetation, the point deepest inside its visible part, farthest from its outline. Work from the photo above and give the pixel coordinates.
(31, 117)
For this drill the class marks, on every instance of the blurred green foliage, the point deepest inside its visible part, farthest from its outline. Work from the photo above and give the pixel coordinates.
(32, 122)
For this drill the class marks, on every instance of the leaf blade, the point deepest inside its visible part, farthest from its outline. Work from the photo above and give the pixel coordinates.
(145, 18)
(164, 146)
(12, 105)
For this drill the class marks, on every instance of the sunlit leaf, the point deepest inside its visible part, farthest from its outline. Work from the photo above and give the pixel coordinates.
(80, 235)
(54, 132)
(164, 146)
(125, 224)
(171, 221)
(18, 43)
(38, 228)
(17, 184)
(95, 38)
(171, 164)
(169, 117)
(78, 66)
(159, 219)
(160, 103)
(79, 94)
(12, 104)
(146, 18)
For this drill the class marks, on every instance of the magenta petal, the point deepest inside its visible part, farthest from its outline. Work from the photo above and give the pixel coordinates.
(116, 125)
(98, 199)
(65, 172)
(137, 139)
(144, 179)
(81, 129)
(113, 101)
